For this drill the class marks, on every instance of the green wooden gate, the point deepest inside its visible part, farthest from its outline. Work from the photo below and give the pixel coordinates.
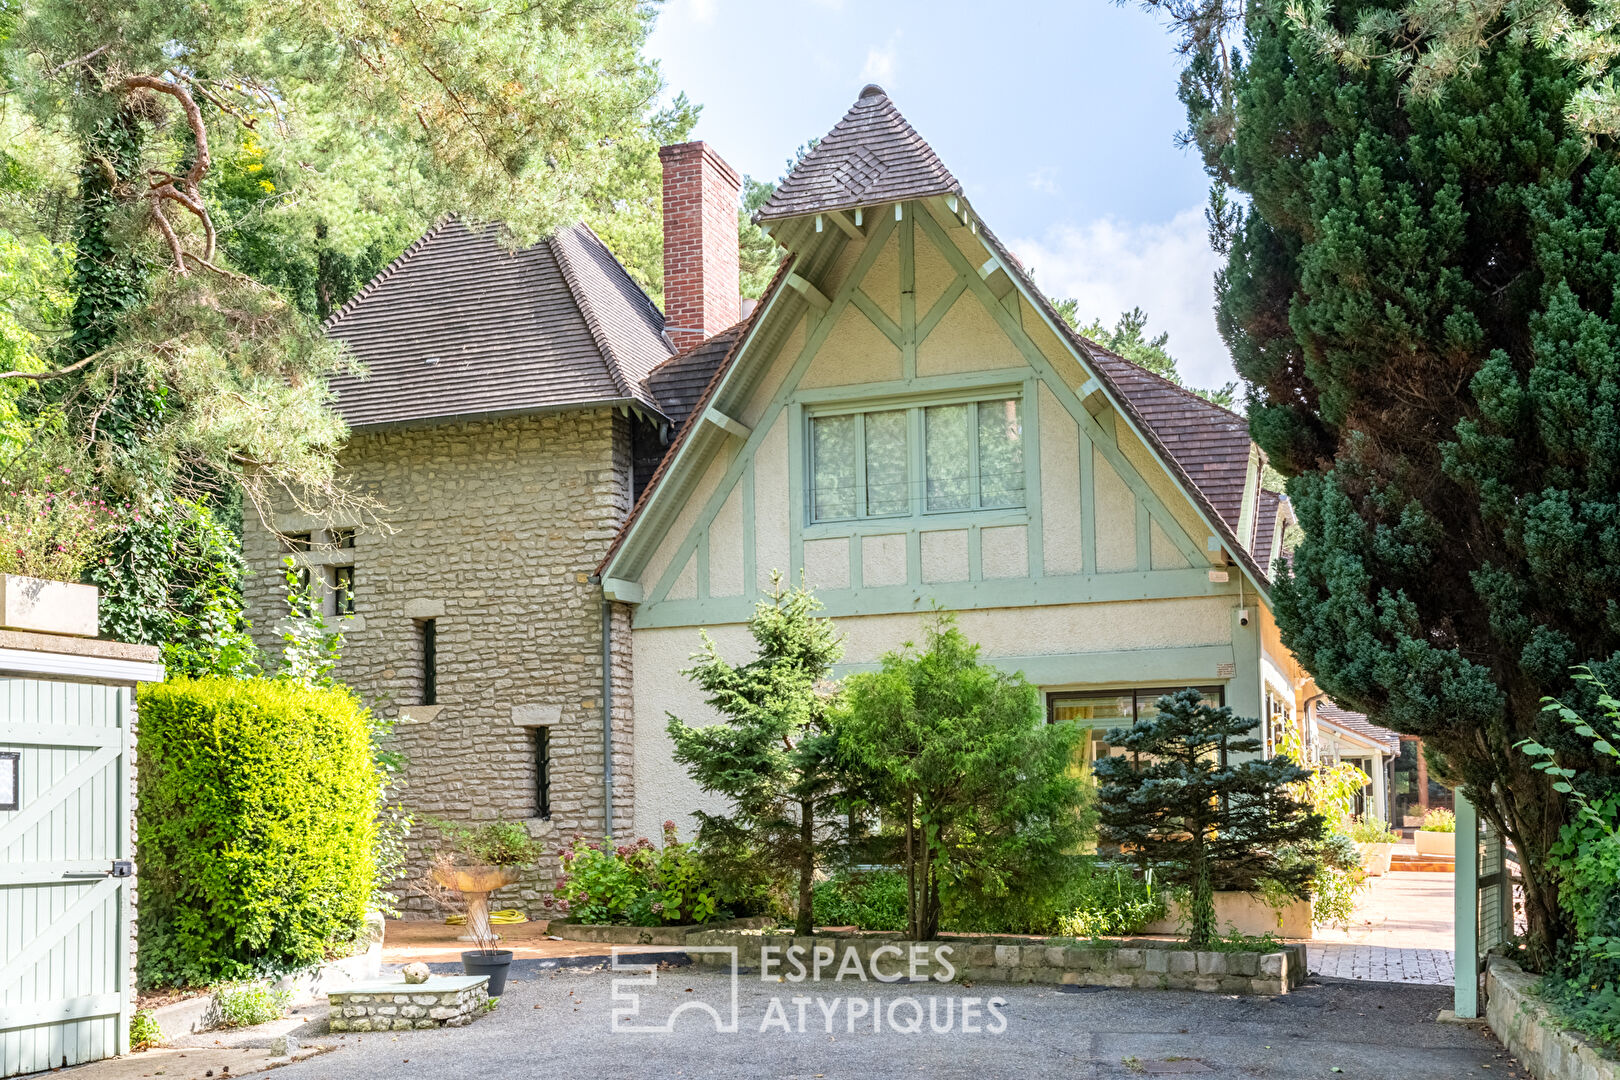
(65, 859)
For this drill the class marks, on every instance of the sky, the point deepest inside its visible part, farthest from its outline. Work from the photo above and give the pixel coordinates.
(1058, 118)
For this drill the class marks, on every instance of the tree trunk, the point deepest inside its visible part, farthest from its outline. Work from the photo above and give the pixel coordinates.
(804, 925)
(913, 901)
(1201, 904)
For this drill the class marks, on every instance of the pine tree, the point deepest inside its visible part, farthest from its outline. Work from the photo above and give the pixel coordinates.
(774, 756)
(1423, 297)
(956, 752)
(1184, 808)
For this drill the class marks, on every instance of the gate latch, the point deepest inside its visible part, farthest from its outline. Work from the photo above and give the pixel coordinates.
(122, 868)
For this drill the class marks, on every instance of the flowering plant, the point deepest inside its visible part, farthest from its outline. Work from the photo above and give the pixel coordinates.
(640, 883)
(52, 530)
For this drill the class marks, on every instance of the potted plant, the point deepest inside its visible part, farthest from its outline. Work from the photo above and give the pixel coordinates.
(473, 863)
(1438, 836)
(48, 536)
(1377, 843)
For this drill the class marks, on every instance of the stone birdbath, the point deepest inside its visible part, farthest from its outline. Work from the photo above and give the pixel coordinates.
(475, 883)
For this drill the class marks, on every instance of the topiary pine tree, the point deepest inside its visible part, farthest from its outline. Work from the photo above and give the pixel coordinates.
(774, 757)
(1423, 298)
(1183, 808)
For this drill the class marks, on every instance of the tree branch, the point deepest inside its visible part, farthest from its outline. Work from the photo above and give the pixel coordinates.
(41, 376)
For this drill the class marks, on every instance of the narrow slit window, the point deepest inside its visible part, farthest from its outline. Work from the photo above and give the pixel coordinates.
(430, 662)
(542, 772)
(343, 590)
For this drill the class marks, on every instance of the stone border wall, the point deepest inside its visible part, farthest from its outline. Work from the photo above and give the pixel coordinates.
(650, 935)
(1137, 963)
(1532, 1034)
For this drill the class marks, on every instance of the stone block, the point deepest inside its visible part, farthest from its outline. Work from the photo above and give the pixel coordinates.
(1183, 962)
(1207, 984)
(1243, 963)
(981, 955)
(1273, 964)
(1211, 963)
(443, 1012)
(402, 1024)
(362, 1024)
(1056, 956)
(1080, 958)
(1158, 961)
(1121, 979)
(1129, 959)
(424, 999)
(1030, 956)
(412, 1012)
(338, 1025)
(1006, 956)
(386, 1010)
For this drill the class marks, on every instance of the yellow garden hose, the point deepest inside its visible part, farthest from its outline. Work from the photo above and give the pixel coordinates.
(498, 918)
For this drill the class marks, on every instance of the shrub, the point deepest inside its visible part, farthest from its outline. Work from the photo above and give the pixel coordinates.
(954, 752)
(257, 818)
(1111, 902)
(495, 843)
(1372, 831)
(247, 1004)
(144, 1032)
(50, 533)
(1440, 820)
(874, 900)
(639, 883)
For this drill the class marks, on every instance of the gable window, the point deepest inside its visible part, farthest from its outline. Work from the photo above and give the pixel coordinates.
(970, 455)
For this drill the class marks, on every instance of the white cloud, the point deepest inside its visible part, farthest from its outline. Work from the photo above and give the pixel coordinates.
(1044, 179)
(880, 64)
(702, 11)
(1165, 268)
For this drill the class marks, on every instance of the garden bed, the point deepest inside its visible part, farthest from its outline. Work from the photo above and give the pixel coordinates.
(1530, 1029)
(619, 934)
(1130, 962)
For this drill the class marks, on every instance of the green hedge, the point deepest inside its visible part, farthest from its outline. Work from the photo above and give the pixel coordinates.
(257, 819)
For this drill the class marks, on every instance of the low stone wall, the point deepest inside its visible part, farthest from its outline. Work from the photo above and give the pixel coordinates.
(1139, 963)
(1532, 1034)
(650, 935)
(395, 1005)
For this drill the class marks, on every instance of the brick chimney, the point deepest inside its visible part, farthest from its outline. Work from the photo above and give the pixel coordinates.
(700, 243)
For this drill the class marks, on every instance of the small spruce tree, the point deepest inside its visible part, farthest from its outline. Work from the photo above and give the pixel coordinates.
(774, 756)
(1183, 808)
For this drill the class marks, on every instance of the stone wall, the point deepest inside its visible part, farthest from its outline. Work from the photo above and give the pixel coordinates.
(447, 1001)
(1140, 963)
(1531, 1032)
(492, 529)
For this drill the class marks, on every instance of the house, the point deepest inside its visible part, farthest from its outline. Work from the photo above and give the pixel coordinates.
(905, 420)
(1339, 734)
(575, 484)
(514, 406)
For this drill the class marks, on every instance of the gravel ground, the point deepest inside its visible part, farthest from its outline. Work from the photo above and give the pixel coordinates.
(560, 1022)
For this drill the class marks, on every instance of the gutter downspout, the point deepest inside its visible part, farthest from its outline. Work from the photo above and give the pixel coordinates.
(607, 711)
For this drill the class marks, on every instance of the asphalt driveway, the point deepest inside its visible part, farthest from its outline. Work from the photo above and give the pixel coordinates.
(561, 1023)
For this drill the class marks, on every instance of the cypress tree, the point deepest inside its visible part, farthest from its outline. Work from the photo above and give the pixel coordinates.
(1422, 296)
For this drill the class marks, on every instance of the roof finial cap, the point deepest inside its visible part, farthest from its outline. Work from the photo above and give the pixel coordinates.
(872, 89)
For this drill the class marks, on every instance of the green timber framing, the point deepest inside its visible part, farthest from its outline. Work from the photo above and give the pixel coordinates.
(682, 503)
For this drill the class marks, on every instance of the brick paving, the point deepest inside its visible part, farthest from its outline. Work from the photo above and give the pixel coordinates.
(1401, 932)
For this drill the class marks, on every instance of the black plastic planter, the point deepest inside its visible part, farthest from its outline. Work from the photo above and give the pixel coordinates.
(494, 964)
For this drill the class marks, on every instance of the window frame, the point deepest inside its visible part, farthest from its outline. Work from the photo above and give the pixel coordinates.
(1210, 691)
(542, 772)
(342, 590)
(916, 410)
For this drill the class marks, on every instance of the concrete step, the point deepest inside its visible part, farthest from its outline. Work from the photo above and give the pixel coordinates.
(1436, 864)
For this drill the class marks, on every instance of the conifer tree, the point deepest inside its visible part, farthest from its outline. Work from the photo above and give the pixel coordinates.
(1422, 295)
(774, 755)
(1182, 806)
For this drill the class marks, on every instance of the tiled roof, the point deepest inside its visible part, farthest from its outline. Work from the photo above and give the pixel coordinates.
(459, 326)
(1265, 528)
(1209, 443)
(1358, 723)
(678, 383)
(871, 156)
